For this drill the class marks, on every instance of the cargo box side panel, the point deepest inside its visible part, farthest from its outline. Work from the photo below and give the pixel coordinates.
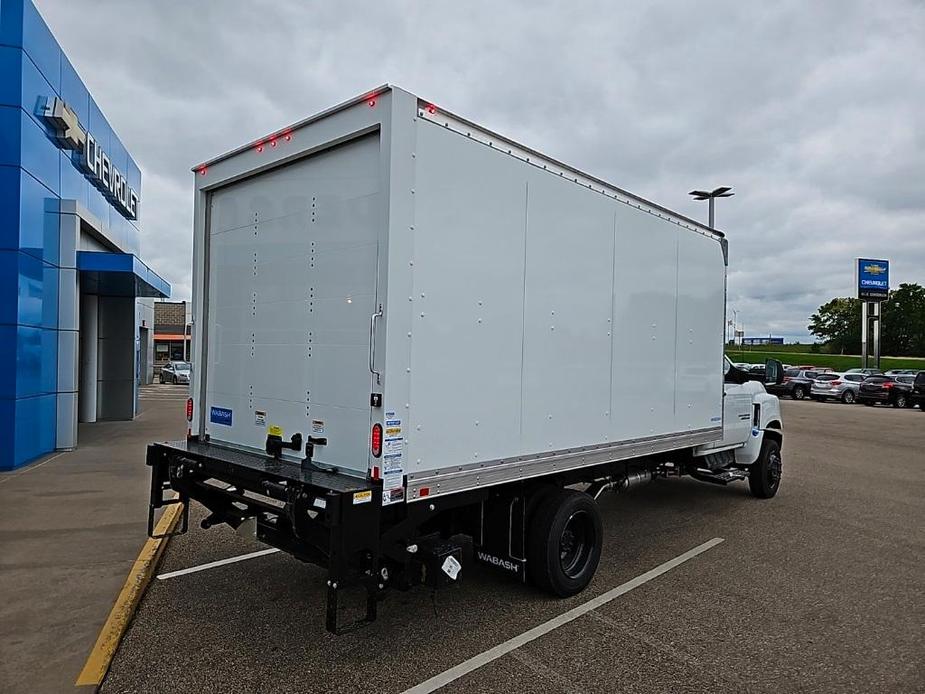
(292, 286)
(644, 344)
(466, 335)
(567, 315)
(701, 312)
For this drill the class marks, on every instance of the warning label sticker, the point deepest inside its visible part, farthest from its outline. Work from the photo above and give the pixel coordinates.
(260, 418)
(362, 497)
(317, 427)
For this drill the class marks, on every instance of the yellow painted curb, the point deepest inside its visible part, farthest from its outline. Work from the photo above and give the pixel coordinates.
(139, 577)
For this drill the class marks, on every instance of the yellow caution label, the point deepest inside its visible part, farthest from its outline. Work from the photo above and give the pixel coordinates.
(275, 430)
(362, 497)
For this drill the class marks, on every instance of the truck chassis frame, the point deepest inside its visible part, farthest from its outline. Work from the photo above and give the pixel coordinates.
(337, 521)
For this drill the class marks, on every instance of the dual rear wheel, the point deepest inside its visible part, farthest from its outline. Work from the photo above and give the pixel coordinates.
(564, 542)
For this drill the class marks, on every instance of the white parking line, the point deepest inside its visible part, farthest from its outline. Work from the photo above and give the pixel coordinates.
(475, 662)
(213, 564)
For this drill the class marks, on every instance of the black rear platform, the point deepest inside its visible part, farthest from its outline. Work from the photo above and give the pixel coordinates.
(327, 518)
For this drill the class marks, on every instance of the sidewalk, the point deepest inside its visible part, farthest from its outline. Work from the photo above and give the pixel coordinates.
(70, 528)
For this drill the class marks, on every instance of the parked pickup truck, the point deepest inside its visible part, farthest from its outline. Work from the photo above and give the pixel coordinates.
(407, 335)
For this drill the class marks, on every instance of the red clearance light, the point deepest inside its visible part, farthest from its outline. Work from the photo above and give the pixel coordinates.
(371, 101)
(425, 491)
(430, 108)
(287, 136)
(375, 440)
(273, 142)
(189, 409)
(259, 148)
(202, 170)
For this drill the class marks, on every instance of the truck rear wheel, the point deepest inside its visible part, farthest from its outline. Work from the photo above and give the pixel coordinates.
(564, 545)
(764, 474)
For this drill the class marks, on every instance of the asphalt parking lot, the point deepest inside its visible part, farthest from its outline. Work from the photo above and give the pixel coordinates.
(819, 589)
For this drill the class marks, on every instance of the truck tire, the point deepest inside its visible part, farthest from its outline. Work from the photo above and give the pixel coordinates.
(765, 473)
(798, 393)
(565, 541)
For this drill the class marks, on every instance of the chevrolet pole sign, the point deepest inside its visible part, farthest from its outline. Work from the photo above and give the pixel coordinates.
(94, 162)
(873, 279)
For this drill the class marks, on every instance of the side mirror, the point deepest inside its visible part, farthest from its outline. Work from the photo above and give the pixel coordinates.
(773, 372)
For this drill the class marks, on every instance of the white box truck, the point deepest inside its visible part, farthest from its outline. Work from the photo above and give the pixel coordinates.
(417, 342)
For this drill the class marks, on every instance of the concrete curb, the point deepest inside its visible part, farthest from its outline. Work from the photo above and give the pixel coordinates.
(123, 610)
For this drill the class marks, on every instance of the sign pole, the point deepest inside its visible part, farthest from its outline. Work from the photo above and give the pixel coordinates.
(876, 326)
(864, 325)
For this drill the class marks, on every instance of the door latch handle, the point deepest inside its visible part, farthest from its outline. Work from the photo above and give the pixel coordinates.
(372, 343)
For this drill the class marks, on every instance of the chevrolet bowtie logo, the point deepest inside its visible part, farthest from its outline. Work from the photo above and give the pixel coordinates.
(874, 269)
(66, 123)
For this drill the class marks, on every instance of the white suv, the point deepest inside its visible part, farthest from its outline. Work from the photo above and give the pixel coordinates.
(841, 386)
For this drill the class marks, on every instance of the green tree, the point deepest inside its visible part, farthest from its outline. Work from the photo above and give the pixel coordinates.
(903, 331)
(838, 323)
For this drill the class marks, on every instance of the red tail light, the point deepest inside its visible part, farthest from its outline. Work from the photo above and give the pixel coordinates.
(189, 409)
(836, 383)
(375, 440)
(887, 384)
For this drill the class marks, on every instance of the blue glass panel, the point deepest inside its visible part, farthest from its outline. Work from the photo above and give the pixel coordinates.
(99, 126)
(98, 205)
(40, 45)
(9, 288)
(10, 76)
(11, 22)
(35, 428)
(73, 181)
(36, 92)
(38, 233)
(9, 206)
(39, 154)
(7, 419)
(10, 126)
(29, 290)
(74, 91)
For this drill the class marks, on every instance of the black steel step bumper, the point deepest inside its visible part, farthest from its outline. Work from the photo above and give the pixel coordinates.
(327, 518)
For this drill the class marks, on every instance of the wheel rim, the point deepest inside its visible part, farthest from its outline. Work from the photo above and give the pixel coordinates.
(798, 394)
(849, 397)
(901, 401)
(775, 469)
(575, 543)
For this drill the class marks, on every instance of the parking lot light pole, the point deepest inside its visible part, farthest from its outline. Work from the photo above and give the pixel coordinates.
(721, 192)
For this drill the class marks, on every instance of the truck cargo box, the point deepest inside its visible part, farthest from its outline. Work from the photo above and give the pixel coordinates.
(428, 303)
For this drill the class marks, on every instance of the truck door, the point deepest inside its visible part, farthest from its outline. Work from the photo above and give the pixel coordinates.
(292, 265)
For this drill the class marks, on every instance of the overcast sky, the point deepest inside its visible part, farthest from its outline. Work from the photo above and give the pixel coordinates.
(813, 111)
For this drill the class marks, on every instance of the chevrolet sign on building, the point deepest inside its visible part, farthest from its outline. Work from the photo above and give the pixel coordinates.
(91, 157)
(76, 298)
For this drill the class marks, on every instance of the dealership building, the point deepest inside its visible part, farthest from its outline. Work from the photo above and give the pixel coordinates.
(75, 341)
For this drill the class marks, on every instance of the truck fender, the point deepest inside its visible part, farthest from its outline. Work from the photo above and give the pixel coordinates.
(766, 423)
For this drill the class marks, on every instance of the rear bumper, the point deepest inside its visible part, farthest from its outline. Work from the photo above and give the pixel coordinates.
(873, 397)
(325, 518)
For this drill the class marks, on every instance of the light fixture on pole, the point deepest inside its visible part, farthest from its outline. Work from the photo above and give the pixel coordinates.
(721, 192)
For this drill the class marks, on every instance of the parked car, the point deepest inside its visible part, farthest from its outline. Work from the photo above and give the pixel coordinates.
(885, 390)
(837, 386)
(797, 383)
(917, 396)
(175, 372)
(901, 372)
(866, 372)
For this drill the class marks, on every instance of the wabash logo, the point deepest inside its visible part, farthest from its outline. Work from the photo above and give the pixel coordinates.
(507, 564)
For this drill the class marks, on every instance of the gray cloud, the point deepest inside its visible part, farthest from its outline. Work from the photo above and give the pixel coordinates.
(811, 110)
